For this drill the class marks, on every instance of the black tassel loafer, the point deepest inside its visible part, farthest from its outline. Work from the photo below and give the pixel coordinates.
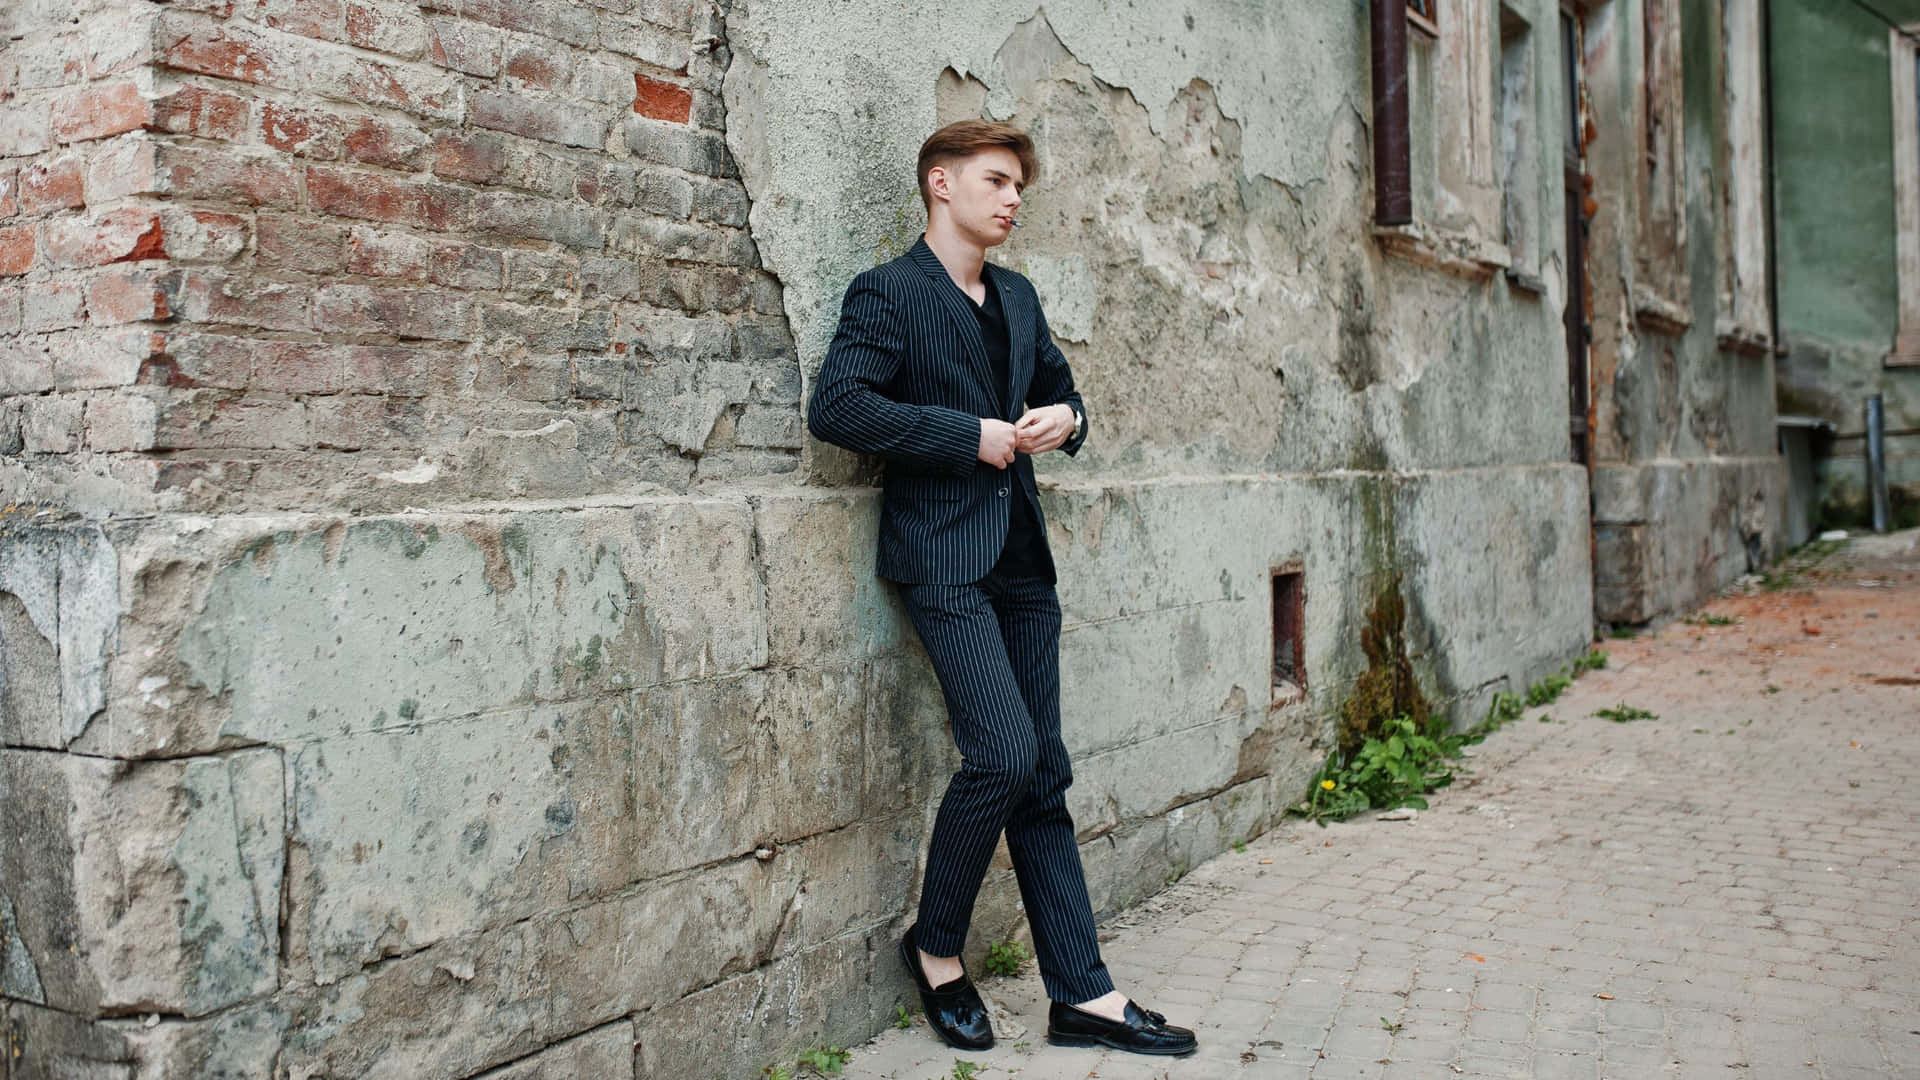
(954, 1009)
(1142, 1032)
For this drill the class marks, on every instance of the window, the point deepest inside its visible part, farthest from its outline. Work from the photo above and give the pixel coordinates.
(1519, 150)
(1457, 167)
(1662, 285)
(1420, 13)
(1905, 51)
(1289, 634)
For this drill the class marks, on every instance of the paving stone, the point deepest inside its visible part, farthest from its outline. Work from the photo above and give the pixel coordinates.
(1596, 900)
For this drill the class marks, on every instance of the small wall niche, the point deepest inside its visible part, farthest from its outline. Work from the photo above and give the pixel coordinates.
(1289, 634)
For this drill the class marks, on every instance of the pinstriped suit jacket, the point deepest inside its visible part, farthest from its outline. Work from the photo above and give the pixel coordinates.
(908, 378)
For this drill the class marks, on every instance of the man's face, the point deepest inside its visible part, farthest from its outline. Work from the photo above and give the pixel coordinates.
(983, 191)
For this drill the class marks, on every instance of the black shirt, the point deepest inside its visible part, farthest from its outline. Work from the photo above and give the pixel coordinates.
(1023, 554)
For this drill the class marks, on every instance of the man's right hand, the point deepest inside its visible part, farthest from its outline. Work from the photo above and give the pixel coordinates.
(996, 442)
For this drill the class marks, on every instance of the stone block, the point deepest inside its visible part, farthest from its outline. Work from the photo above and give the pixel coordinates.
(150, 886)
(60, 603)
(295, 627)
(725, 765)
(910, 753)
(1136, 678)
(831, 994)
(824, 603)
(605, 1052)
(448, 1011)
(404, 838)
(608, 960)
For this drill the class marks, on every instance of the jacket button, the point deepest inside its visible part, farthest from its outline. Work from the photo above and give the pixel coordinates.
(1003, 493)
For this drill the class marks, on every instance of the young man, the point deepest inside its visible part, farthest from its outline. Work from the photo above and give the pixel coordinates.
(943, 365)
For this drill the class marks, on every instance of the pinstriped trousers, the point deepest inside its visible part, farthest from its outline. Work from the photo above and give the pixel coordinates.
(995, 646)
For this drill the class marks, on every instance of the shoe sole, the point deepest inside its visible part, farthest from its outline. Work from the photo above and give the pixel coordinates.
(1101, 1040)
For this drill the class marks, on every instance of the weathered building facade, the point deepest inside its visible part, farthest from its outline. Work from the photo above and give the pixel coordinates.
(431, 646)
(1846, 138)
(1688, 491)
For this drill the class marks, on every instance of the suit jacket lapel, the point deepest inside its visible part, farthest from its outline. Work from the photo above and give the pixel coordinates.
(960, 307)
(1019, 341)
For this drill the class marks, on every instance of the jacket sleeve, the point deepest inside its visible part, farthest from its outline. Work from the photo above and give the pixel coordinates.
(1053, 380)
(850, 406)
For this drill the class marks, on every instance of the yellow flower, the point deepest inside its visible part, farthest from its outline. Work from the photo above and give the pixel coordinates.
(1328, 785)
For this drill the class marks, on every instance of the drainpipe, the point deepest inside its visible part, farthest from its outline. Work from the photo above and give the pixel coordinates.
(1877, 461)
(1392, 155)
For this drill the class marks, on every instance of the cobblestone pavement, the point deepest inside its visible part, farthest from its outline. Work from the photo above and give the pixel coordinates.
(1731, 890)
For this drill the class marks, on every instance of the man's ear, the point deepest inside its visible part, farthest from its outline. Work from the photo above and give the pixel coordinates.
(938, 180)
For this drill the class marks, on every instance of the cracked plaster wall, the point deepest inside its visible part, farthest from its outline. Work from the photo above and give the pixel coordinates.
(579, 768)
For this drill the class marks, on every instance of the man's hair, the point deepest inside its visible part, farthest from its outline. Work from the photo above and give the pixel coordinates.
(965, 138)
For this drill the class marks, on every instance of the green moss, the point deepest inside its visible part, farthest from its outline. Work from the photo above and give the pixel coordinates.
(1388, 688)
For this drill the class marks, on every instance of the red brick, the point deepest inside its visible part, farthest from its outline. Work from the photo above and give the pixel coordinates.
(466, 266)
(9, 192)
(128, 235)
(209, 360)
(302, 132)
(213, 297)
(16, 250)
(99, 111)
(194, 110)
(26, 365)
(388, 28)
(124, 296)
(535, 66)
(103, 359)
(60, 60)
(473, 156)
(322, 19)
(379, 142)
(404, 313)
(52, 305)
(122, 421)
(388, 254)
(25, 128)
(123, 42)
(203, 235)
(464, 47)
(125, 165)
(52, 184)
(223, 52)
(373, 197)
(213, 420)
(390, 369)
(317, 247)
(293, 367)
(228, 175)
(661, 100)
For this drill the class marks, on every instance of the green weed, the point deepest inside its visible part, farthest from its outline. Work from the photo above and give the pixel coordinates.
(1708, 618)
(1624, 713)
(901, 1017)
(1239, 845)
(1005, 958)
(825, 1061)
(1591, 660)
(1391, 1027)
(964, 1070)
(1548, 690)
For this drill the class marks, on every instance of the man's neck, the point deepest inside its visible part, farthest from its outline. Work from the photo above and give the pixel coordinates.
(962, 257)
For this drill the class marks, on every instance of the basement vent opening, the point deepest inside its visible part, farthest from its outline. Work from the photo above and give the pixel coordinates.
(1289, 634)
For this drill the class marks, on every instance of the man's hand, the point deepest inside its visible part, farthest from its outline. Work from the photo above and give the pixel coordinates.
(997, 441)
(1043, 429)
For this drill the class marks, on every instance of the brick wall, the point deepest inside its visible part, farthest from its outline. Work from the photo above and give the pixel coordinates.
(268, 253)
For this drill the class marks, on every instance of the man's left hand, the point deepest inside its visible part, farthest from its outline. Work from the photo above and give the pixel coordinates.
(1043, 429)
